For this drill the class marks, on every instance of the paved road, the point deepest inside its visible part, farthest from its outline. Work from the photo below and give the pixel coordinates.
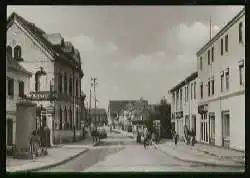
(119, 153)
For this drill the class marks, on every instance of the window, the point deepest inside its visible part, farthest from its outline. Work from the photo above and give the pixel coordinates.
(180, 98)
(208, 57)
(17, 52)
(201, 87)
(9, 51)
(65, 119)
(177, 100)
(60, 117)
(194, 90)
(187, 93)
(200, 63)
(212, 83)
(21, 88)
(222, 82)
(60, 83)
(208, 88)
(226, 43)
(227, 79)
(240, 32)
(70, 86)
(76, 88)
(221, 46)
(242, 74)
(212, 54)
(65, 83)
(191, 90)
(10, 87)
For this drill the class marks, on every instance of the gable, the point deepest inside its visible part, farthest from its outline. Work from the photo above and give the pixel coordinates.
(17, 35)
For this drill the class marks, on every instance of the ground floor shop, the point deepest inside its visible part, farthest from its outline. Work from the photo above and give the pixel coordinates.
(222, 122)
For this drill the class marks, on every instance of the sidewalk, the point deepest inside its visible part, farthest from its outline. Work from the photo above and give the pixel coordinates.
(203, 154)
(56, 156)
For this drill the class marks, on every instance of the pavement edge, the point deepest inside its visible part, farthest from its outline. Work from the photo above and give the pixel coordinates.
(57, 163)
(200, 162)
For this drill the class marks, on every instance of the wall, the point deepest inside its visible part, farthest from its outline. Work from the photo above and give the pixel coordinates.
(34, 56)
(232, 99)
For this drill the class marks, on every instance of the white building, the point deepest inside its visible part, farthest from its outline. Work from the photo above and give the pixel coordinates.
(221, 77)
(17, 85)
(184, 108)
(56, 73)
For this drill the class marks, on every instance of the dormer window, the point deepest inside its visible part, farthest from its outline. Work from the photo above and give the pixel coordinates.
(17, 53)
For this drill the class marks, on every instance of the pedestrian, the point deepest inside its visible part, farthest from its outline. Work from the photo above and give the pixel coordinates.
(175, 138)
(34, 142)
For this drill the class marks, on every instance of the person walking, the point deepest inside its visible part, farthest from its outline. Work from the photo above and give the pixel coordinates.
(175, 138)
(34, 144)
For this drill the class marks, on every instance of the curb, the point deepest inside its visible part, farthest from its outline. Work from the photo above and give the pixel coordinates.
(55, 164)
(200, 162)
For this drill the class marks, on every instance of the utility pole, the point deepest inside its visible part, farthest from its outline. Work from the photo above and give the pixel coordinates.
(74, 124)
(90, 106)
(94, 85)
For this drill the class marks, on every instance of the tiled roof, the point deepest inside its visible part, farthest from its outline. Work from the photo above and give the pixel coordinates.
(39, 34)
(14, 65)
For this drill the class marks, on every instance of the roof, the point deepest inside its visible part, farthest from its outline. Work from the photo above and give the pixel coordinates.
(228, 25)
(14, 65)
(191, 77)
(41, 37)
(116, 106)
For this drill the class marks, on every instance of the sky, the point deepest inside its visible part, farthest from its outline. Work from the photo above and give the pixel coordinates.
(133, 51)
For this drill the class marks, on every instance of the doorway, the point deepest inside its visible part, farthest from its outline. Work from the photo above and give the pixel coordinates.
(9, 132)
(212, 128)
(225, 129)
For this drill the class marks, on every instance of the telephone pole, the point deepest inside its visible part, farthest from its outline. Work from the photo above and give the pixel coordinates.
(94, 83)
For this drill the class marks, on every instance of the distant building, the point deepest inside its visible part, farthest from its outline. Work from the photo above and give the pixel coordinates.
(17, 85)
(221, 86)
(184, 109)
(137, 112)
(99, 117)
(56, 70)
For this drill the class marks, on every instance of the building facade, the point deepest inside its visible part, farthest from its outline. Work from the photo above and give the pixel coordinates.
(17, 85)
(184, 110)
(55, 65)
(221, 79)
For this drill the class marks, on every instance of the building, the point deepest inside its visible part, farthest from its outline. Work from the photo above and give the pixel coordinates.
(136, 108)
(221, 90)
(56, 70)
(184, 110)
(99, 117)
(17, 85)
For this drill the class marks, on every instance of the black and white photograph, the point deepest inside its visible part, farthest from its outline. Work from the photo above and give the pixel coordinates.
(125, 88)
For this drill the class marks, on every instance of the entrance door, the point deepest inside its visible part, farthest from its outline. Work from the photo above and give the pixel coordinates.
(225, 129)
(212, 128)
(9, 132)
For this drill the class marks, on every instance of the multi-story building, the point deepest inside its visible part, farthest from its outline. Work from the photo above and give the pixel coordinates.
(56, 70)
(17, 85)
(184, 110)
(221, 80)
